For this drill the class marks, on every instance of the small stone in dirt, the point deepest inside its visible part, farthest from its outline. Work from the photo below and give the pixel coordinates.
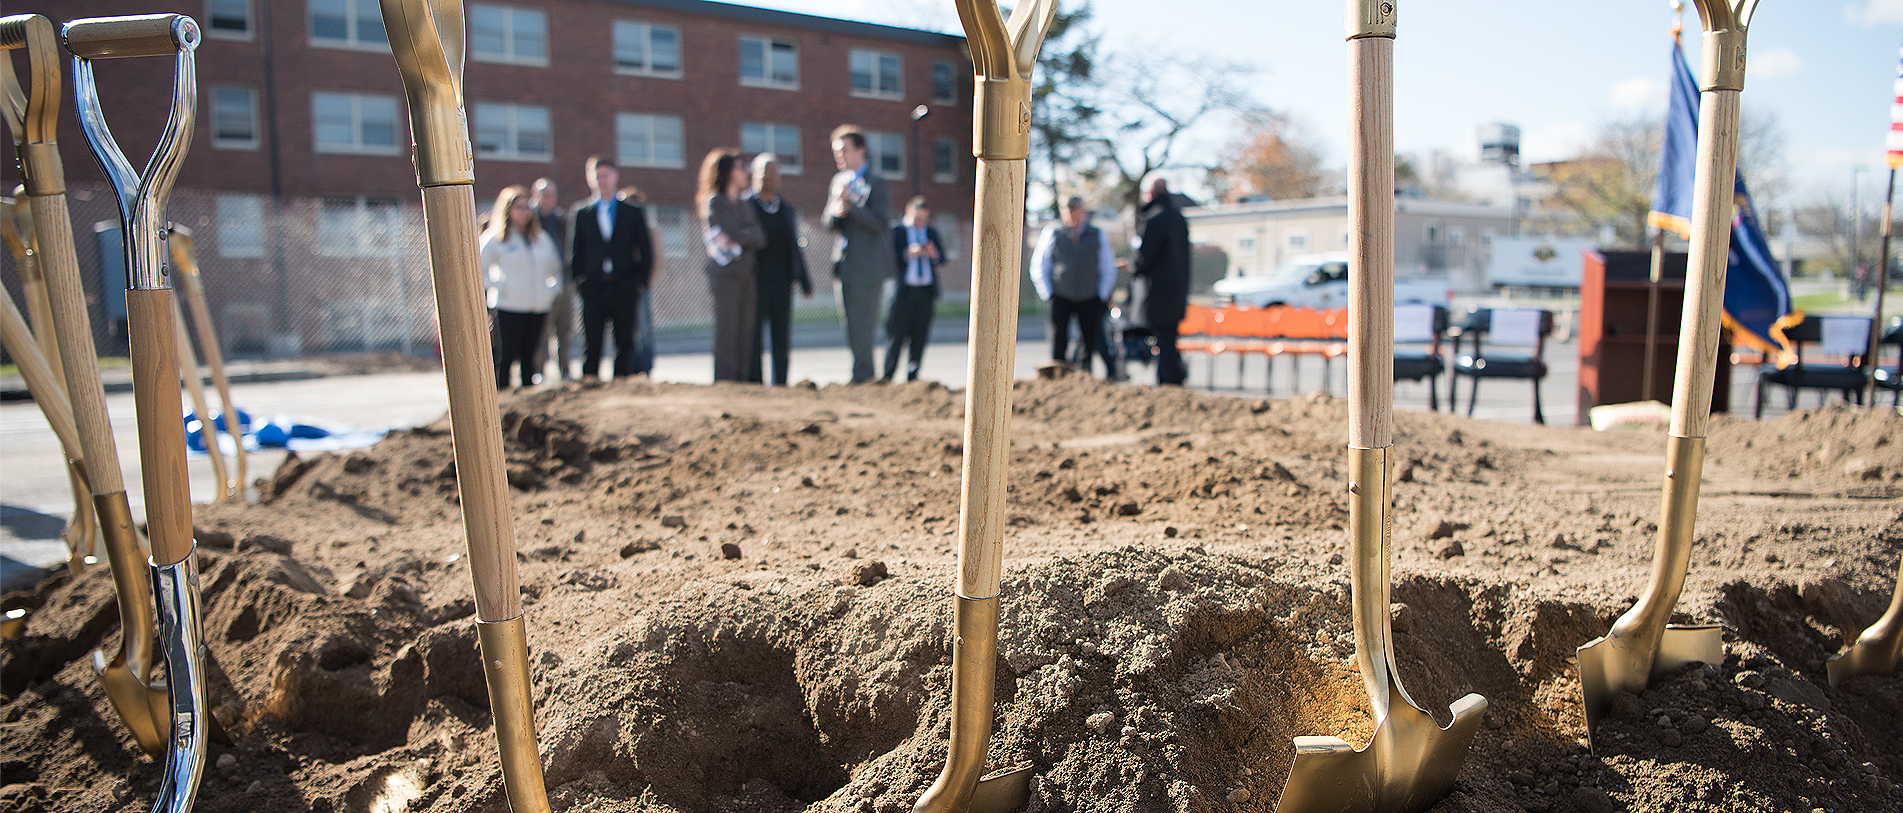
(1238, 796)
(255, 786)
(1334, 558)
(1451, 550)
(1670, 738)
(1858, 468)
(640, 546)
(1401, 617)
(1101, 722)
(226, 762)
(1171, 579)
(1521, 777)
(581, 536)
(1441, 530)
(673, 521)
(729, 550)
(808, 482)
(1593, 800)
(1169, 532)
(1771, 558)
(1694, 724)
(851, 553)
(868, 573)
(358, 463)
(1128, 509)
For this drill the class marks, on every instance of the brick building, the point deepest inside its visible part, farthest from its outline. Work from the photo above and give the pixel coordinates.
(299, 182)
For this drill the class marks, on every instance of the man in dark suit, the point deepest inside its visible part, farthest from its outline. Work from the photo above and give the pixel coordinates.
(612, 265)
(1159, 279)
(856, 210)
(918, 252)
(776, 270)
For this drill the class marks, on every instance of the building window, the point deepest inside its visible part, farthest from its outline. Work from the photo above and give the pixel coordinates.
(1432, 233)
(944, 160)
(886, 153)
(648, 140)
(355, 123)
(228, 19)
(508, 34)
(234, 117)
(783, 140)
(360, 227)
(876, 74)
(512, 132)
(1298, 239)
(769, 63)
(348, 24)
(944, 83)
(240, 229)
(647, 50)
(1456, 235)
(1245, 245)
(671, 223)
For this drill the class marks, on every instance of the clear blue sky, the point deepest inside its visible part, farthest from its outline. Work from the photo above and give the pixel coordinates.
(1824, 67)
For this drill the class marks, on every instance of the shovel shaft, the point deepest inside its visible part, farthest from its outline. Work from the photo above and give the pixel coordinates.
(214, 357)
(77, 355)
(40, 380)
(994, 297)
(150, 319)
(1371, 243)
(1710, 253)
(195, 387)
(481, 474)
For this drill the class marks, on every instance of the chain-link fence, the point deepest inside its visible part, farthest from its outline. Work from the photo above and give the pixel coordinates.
(296, 277)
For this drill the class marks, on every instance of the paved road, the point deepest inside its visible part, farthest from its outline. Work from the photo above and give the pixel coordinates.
(35, 498)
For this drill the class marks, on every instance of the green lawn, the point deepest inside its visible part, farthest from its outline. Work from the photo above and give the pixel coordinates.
(1835, 302)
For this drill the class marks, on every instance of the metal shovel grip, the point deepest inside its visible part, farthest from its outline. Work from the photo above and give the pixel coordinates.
(36, 112)
(426, 37)
(141, 35)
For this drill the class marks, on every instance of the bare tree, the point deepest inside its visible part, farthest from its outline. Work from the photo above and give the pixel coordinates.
(1611, 181)
(1147, 109)
(1271, 157)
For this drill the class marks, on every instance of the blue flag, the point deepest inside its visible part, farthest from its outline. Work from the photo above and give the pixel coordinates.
(1757, 299)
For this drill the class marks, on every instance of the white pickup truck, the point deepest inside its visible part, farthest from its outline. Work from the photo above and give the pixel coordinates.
(1318, 281)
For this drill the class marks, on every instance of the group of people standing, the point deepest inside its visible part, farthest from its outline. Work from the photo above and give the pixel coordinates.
(754, 262)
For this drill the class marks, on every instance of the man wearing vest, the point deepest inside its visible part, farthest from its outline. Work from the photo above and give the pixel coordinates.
(918, 252)
(1074, 270)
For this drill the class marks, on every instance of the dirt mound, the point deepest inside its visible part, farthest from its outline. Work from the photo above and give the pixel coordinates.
(739, 600)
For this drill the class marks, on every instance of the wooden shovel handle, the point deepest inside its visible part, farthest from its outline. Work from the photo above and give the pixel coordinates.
(1371, 242)
(449, 214)
(40, 380)
(168, 500)
(994, 298)
(60, 264)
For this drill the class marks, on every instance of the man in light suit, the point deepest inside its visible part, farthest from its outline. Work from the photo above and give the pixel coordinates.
(919, 253)
(612, 265)
(862, 259)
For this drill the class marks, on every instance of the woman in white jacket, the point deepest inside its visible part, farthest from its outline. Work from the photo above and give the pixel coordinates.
(522, 270)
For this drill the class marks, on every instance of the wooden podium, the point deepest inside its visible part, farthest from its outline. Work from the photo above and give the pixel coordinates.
(1612, 303)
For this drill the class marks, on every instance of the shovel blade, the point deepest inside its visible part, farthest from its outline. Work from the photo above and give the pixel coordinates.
(1001, 791)
(1610, 665)
(1861, 660)
(141, 707)
(1410, 764)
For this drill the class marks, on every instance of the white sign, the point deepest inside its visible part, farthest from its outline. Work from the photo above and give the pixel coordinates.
(1538, 262)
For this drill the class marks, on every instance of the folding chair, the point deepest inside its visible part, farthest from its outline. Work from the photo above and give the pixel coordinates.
(1890, 378)
(1844, 338)
(1417, 325)
(1521, 332)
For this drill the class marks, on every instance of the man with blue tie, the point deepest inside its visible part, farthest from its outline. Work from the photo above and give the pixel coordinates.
(612, 265)
(918, 254)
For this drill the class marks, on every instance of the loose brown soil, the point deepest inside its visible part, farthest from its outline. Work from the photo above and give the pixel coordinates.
(739, 600)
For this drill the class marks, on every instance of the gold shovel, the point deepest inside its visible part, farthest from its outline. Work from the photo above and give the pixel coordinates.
(426, 37)
(151, 314)
(1002, 55)
(184, 259)
(1411, 762)
(1876, 650)
(81, 533)
(140, 702)
(195, 387)
(1641, 645)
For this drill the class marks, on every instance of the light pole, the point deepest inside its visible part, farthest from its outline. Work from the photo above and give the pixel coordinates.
(918, 113)
(1856, 233)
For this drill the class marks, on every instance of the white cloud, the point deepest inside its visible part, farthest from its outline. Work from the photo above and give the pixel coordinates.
(1555, 142)
(1779, 61)
(1638, 93)
(1873, 13)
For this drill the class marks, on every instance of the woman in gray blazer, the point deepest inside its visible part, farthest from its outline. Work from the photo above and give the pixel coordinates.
(732, 237)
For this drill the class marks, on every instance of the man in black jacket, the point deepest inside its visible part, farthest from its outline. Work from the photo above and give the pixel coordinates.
(1159, 280)
(612, 265)
(776, 269)
(918, 253)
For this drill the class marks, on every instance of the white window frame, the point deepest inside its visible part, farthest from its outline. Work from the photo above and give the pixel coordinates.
(376, 223)
(644, 31)
(626, 121)
(250, 22)
(219, 111)
(946, 176)
(355, 11)
(240, 226)
(951, 69)
(1296, 239)
(769, 139)
(509, 118)
(767, 43)
(877, 91)
(357, 145)
(878, 145)
(509, 54)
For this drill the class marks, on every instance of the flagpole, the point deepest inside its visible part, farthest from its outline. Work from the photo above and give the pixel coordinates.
(1883, 282)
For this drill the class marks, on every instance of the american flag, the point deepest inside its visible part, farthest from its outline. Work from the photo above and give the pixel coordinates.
(1896, 121)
